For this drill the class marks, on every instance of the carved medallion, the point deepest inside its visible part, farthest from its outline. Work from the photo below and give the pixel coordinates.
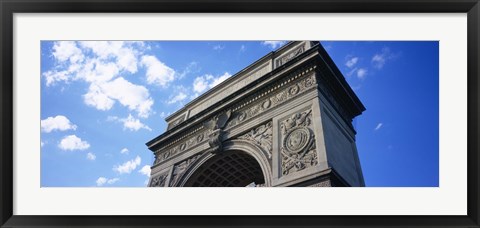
(183, 146)
(242, 116)
(294, 90)
(266, 104)
(199, 138)
(297, 139)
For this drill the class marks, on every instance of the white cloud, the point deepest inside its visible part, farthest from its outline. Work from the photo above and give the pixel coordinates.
(124, 151)
(202, 83)
(157, 72)
(273, 44)
(353, 71)
(102, 96)
(128, 166)
(42, 144)
(177, 98)
(218, 47)
(72, 142)
(97, 98)
(133, 124)
(361, 73)
(379, 125)
(112, 181)
(130, 123)
(243, 48)
(163, 114)
(351, 62)
(145, 170)
(57, 123)
(91, 156)
(102, 180)
(67, 50)
(52, 77)
(122, 53)
(379, 59)
(107, 60)
(192, 67)
(100, 63)
(95, 70)
(219, 79)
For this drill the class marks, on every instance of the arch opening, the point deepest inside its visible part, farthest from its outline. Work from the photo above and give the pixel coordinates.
(233, 168)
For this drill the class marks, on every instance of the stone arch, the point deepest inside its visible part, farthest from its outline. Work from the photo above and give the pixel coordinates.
(237, 145)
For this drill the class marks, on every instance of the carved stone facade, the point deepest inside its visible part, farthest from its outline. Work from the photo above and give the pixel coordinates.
(298, 147)
(264, 127)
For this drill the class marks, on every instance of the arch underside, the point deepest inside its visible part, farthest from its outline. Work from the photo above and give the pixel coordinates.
(241, 163)
(227, 169)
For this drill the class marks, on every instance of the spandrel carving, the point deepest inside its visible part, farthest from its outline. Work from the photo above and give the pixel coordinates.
(159, 181)
(261, 136)
(180, 168)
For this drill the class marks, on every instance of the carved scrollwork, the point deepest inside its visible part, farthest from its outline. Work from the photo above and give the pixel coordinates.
(159, 181)
(261, 136)
(180, 168)
(298, 143)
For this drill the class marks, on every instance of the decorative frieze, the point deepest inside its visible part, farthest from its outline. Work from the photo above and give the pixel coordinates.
(273, 98)
(261, 136)
(184, 145)
(159, 181)
(180, 168)
(298, 143)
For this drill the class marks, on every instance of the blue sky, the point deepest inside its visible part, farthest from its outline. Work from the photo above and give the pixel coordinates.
(102, 101)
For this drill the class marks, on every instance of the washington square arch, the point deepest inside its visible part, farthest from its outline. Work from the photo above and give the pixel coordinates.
(285, 120)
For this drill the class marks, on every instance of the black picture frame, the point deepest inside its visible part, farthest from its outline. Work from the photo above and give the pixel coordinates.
(9, 7)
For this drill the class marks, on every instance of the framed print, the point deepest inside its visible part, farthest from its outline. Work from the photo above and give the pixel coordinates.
(113, 112)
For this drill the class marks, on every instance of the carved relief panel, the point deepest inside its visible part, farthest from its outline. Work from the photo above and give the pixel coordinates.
(159, 181)
(297, 148)
(262, 136)
(180, 168)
